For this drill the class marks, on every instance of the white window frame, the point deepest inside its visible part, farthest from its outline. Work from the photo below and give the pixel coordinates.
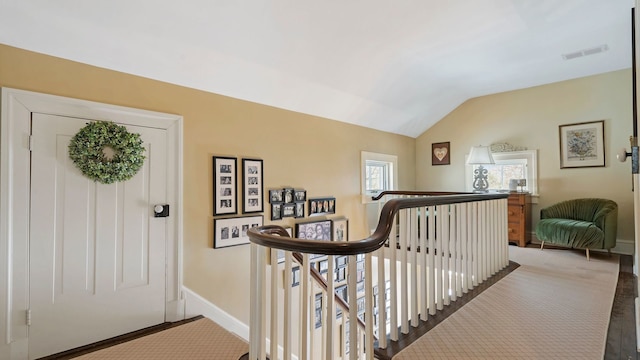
(392, 160)
(531, 157)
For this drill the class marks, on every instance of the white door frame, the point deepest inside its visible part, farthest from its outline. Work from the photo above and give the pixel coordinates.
(15, 128)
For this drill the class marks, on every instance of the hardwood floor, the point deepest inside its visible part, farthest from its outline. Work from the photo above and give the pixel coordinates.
(621, 337)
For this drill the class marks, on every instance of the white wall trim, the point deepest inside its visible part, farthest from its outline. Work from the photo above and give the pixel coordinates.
(197, 305)
(16, 107)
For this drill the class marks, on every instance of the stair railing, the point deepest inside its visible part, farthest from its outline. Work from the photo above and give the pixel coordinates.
(439, 247)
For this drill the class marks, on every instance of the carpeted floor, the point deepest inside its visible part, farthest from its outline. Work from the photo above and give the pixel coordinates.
(197, 340)
(556, 305)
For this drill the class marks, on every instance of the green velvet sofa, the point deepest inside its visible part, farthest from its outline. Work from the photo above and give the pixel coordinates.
(579, 223)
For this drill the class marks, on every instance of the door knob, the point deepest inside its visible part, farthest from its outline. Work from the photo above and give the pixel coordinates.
(161, 210)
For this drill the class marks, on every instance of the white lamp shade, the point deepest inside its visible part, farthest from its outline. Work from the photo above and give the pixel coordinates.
(480, 155)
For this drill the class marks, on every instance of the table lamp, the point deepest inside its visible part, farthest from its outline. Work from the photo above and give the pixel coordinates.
(480, 155)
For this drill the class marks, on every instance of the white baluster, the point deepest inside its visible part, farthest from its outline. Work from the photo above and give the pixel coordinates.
(330, 313)
(257, 349)
(287, 322)
(404, 299)
(382, 305)
(353, 308)
(305, 299)
(273, 333)
(413, 265)
(446, 241)
(431, 262)
(453, 258)
(368, 286)
(424, 282)
(440, 211)
(393, 282)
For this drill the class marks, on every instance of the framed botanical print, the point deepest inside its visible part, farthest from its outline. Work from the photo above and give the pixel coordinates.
(582, 145)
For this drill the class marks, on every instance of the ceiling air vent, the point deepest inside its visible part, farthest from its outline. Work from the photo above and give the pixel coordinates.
(586, 52)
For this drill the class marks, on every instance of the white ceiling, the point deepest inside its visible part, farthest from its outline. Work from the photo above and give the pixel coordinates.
(397, 66)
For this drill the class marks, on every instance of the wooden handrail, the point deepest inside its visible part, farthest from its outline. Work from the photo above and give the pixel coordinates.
(415, 193)
(264, 235)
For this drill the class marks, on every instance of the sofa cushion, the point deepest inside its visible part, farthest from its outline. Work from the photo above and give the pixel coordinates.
(572, 233)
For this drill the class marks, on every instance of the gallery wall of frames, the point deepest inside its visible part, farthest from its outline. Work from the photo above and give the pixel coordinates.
(232, 220)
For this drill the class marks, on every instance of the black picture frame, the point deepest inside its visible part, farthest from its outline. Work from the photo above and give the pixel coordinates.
(253, 186)
(233, 231)
(323, 266)
(340, 229)
(225, 185)
(275, 196)
(287, 195)
(318, 310)
(295, 276)
(288, 210)
(276, 211)
(299, 195)
(299, 213)
(309, 230)
(319, 206)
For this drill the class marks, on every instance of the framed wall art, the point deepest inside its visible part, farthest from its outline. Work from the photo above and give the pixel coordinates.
(340, 229)
(233, 231)
(440, 153)
(318, 310)
(252, 181)
(295, 276)
(322, 206)
(582, 145)
(315, 230)
(299, 195)
(288, 210)
(225, 183)
(275, 196)
(299, 209)
(287, 194)
(276, 211)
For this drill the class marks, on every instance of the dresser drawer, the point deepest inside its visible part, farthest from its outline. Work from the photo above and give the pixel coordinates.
(514, 232)
(514, 213)
(519, 218)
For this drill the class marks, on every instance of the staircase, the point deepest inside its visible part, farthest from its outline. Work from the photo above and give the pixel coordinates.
(364, 299)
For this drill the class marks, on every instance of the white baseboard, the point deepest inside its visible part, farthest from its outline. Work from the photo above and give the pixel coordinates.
(197, 305)
(623, 247)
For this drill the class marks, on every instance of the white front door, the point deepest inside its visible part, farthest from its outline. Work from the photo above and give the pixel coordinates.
(96, 252)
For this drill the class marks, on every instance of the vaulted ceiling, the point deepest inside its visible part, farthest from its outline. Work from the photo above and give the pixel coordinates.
(397, 66)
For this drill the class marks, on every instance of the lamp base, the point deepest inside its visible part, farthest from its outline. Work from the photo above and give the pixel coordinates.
(480, 179)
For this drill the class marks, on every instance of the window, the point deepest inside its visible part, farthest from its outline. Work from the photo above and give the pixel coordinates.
(379, 173)
(509, 165)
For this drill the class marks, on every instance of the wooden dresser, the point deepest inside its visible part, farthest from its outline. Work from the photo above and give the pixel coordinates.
(519, 211)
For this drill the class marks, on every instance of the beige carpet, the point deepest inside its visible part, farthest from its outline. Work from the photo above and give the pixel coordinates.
(200, 339)
(556, 305)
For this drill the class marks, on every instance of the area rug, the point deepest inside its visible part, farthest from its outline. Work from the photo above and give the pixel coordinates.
(556, 305)
(200, 339)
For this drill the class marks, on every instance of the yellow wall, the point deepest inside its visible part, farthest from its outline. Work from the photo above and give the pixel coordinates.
(302, 151)
(530, 118)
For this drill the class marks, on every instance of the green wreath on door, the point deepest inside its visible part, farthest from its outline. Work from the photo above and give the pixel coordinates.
(87, 151)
